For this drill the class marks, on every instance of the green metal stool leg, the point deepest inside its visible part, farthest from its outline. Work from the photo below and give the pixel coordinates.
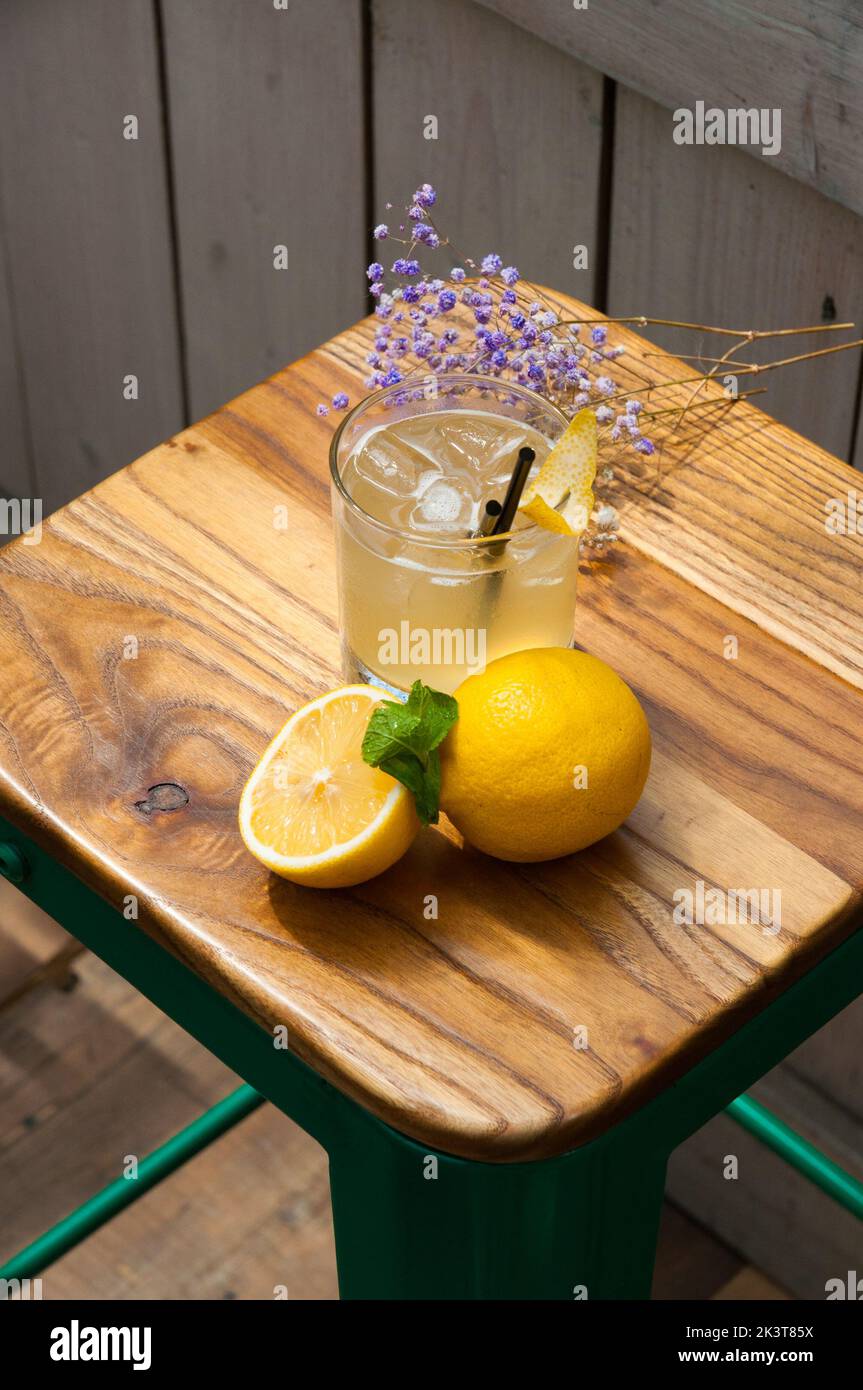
(412, 1223)
(588, 1218)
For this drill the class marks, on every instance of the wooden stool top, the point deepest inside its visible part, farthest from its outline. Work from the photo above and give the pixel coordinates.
(164, 628)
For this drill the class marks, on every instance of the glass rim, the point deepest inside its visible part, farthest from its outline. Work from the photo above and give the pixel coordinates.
(442, 543)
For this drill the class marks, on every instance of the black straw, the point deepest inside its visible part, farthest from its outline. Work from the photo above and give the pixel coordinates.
(517, 482)
(489, 517)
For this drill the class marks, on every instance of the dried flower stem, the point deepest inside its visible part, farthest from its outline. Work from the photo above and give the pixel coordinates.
(753, 368)
(725, 400)
(747, 334)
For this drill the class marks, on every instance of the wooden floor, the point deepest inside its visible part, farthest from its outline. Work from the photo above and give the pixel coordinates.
(91, 1073)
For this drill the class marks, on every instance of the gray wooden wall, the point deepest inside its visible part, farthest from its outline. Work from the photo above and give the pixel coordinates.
(262, 123)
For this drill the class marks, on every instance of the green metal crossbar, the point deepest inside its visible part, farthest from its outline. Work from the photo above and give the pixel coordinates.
(583, 1224)
(124, 1191)
(751, 1114)
(811, 1162)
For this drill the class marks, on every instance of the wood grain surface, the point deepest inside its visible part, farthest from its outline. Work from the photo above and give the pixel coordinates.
(459, 1030)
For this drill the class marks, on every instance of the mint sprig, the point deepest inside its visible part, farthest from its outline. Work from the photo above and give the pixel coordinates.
(403, 739)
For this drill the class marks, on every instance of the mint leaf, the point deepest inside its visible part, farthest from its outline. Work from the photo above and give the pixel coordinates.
(423, 783)
(402, 740)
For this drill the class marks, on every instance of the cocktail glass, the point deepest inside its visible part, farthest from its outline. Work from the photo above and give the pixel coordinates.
(420, 595)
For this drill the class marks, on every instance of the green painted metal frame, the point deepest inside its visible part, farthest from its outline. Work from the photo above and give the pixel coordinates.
(798, 1152)
(413, 1222)
(121, 1193)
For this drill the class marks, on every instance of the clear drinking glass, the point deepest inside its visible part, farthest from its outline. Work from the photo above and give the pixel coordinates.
(419, 596)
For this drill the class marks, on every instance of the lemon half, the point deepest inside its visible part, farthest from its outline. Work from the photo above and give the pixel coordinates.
(313, 811)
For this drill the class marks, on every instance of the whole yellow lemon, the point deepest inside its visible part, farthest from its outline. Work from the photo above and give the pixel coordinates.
(550, 752)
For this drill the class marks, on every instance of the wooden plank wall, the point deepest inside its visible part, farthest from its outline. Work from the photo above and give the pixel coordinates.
(154, 257)
(804, 56)
(503, 185)
(710, 234)
(267, 133)
(88, 245)
(241, 147)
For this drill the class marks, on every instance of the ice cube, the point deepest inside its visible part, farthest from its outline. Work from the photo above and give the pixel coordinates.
(468, 441)
(441, 506)
(384, 461)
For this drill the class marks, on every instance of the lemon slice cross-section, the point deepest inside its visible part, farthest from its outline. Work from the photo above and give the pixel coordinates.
(313, 811)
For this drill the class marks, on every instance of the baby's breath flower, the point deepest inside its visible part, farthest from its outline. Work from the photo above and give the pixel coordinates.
(606, 517)
(509, 275)
(405, 266)
(375, 271)
(457, 274)
(322, 409)
(381, 232)
(340, 401)
(491, 263)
